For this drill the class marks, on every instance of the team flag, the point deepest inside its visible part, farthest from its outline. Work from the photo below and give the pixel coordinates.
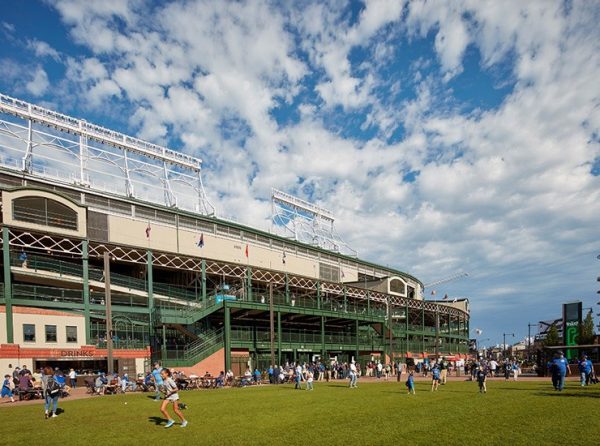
(148, 229)
(445, 297)
(283, 258)
(201, 241)
(246, 250)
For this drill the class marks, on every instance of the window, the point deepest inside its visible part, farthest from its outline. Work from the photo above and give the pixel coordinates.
(329, 272)
(397, 286)
(71, 333)
(50, 333)
(44, 211)
(28, 332)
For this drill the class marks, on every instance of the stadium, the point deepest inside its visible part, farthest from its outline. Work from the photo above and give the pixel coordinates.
(99, 273)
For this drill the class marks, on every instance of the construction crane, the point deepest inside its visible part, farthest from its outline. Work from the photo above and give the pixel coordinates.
(452, 278)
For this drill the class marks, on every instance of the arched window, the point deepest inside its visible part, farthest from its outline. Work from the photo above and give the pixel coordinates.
(397, 286)
(44, 211)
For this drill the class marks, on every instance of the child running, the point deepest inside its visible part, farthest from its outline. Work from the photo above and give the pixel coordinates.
(410, 383)
(6, 388)
(171, 396)
(481, 378)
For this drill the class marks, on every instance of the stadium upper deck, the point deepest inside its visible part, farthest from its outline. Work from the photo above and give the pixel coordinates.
(186, 287)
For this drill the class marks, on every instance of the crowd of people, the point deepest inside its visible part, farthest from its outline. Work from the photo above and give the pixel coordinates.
(52, 384)
(45, 383)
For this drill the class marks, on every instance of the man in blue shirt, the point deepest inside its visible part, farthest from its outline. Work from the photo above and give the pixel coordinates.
(585, 370)
(560, 369)
(158, 381)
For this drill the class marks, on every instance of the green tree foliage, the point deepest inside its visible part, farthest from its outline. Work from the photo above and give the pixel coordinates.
(586, 330)
(552, 337)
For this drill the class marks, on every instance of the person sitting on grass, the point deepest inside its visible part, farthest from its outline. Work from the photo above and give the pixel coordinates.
(172, 397)
(25, 385)
(247, 379)
(257, 376)
(435, 378)
(100, 384)
(481, 379)
(410, 383)
(220, 380)
(7, 388)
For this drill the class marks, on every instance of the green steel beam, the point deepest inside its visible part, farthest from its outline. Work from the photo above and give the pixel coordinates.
(86, 292)
(318, 295)
(278, 338)
(287, 290)
(249, 283)
(7, 286)
(203, 281)
(323, 337)
(227, 335)
(163, 349)
(356, 329)
(150, 279)
(423, 329)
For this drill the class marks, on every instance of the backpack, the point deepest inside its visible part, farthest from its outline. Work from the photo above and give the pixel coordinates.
(52, 386)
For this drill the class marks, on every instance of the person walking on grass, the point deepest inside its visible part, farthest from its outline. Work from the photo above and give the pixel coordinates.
(171, 397)
(353, 375)
(435, 378)
(585, 370)
(7, 388)
(516, 370)
(507, 369)
(309, 380)
(410, 383)
(51, 391)
(298, 376)
(481, 379)
(158, 381)
(560, 369)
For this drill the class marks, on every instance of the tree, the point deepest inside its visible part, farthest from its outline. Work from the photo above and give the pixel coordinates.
(552, 337)
(586, 330)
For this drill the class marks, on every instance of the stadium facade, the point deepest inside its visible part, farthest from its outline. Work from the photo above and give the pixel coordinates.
(186, 288)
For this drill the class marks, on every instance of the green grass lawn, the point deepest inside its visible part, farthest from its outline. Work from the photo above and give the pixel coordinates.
(379, 413)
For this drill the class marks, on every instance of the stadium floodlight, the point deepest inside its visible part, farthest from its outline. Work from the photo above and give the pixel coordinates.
(71, 150)
(300, 220)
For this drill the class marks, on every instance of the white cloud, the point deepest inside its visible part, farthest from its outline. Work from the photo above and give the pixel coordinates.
(38, 85)
(43, 49)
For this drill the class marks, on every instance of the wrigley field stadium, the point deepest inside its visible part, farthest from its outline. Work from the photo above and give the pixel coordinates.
(113, 258)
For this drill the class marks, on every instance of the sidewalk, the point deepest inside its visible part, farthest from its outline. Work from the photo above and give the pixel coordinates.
(76, 394)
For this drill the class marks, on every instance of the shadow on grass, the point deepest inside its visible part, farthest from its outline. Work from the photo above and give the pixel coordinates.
(152, 397)
(59, 411)
(568, 395)
(156, 420)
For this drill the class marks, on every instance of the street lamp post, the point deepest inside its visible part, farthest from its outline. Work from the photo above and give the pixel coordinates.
(504, 345)
(529, 341)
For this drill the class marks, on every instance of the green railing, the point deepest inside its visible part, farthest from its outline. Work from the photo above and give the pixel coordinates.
(196, 351)
(47, 294)
(248, 334)
(64, 268)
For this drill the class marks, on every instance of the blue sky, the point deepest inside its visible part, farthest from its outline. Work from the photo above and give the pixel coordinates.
(446, 136)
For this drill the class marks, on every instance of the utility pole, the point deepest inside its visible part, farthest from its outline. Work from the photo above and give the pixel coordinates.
(504, 345)
(107, 300)
(272, 324)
